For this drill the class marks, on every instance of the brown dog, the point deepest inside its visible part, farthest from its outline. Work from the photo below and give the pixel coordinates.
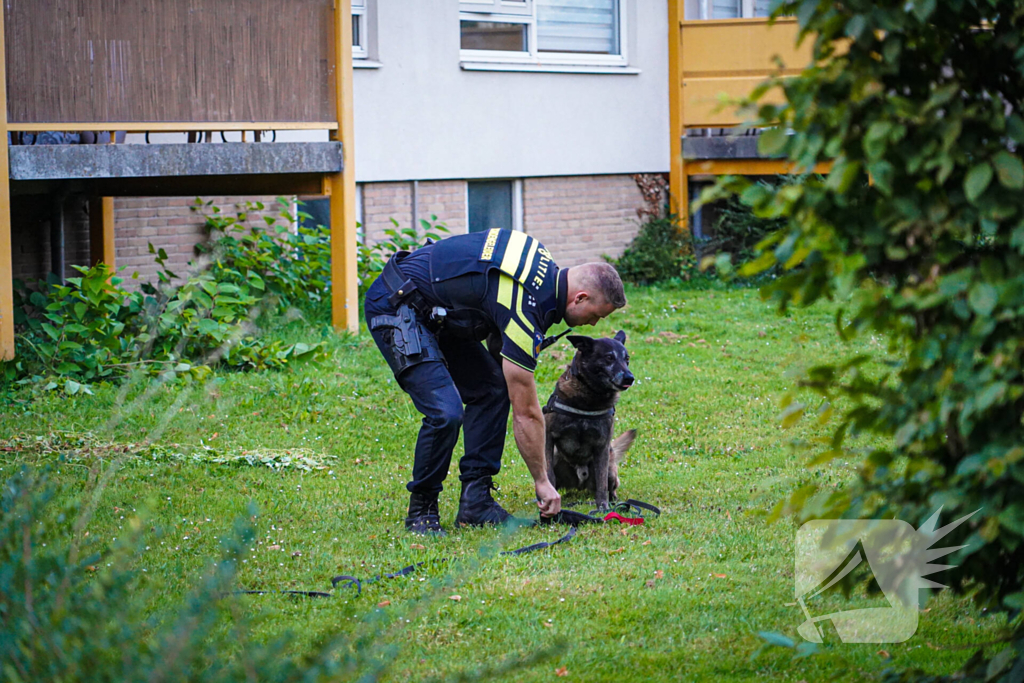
(580, 419)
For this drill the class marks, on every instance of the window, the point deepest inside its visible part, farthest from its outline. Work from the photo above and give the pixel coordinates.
(734, 9)
(494, 204)
(493, 35)
(726, 9)
(359, 49)
(543, 31)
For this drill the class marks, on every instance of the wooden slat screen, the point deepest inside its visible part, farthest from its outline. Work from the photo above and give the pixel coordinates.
(169, 60)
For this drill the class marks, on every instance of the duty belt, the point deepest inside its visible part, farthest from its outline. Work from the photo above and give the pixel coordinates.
(402, 288)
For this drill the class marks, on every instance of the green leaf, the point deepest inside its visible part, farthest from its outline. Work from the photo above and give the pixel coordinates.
(778, 639)
(999, 663)
(1009, 170)
(772, 142)
(842, 175)
(71, 387)
(1015, 128)
(983, 298)
(51, 331)
(792, 414)
(923, 9)
(977, 180)
(762, 263)
(855, 26)
(1013, 518)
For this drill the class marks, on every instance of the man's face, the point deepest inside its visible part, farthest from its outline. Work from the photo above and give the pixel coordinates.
(585, 310)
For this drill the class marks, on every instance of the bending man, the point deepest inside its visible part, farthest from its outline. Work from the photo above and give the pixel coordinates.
(428, 313)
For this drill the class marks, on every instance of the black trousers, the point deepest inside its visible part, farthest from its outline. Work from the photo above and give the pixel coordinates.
(470, 393)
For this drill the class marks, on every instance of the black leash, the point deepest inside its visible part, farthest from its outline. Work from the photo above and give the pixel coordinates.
(569, 517)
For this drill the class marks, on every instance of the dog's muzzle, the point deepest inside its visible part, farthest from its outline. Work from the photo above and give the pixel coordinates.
(625, 381)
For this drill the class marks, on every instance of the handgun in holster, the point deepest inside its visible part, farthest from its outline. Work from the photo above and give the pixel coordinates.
(407, 339)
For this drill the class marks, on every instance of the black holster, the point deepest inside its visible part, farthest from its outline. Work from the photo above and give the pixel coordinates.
(409, 342)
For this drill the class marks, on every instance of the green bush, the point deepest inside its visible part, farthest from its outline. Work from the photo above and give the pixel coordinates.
(656, 254)
(289, 266)
(77, 329)
(91, 329)
(371, 258)
(919, 231)
(738, 230)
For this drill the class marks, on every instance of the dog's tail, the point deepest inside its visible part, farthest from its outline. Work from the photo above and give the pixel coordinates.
(621, 444)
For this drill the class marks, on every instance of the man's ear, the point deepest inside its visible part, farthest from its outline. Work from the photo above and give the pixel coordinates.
(580, 298)
(620, 336)
(580, 342)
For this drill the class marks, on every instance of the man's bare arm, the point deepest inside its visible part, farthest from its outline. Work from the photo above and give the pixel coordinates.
(528, 428)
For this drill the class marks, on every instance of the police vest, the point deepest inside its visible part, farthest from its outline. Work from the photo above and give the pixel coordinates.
(514, 253)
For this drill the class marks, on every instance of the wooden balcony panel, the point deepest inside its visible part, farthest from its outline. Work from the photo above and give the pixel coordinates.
(729, 58)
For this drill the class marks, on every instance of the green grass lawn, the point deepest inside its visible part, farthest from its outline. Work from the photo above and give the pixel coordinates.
(680, 598)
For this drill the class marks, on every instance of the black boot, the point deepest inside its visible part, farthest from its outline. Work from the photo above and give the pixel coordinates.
(423, 517)
(477, 508)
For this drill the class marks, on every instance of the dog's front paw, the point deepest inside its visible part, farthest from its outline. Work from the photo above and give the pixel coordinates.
(603, 507)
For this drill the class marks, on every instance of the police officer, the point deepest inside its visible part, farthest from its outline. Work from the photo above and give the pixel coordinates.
(428, 313)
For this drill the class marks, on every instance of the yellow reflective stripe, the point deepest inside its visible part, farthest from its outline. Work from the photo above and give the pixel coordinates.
(505, 286)
(519, 337)
(515, 362)
(529, 261)
(513, 252)
(520, 293)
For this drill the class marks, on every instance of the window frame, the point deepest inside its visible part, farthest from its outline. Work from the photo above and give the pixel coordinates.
(359, 13)
(480, 10)
(517, 200)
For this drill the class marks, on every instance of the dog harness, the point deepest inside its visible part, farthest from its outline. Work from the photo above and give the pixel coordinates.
(555, 406)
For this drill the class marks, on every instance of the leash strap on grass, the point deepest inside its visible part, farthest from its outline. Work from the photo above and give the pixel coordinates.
(543, 544)
(353, 581)
(307, 594)
(573, 519)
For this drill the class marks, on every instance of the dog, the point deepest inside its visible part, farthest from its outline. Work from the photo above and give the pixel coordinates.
(580, 418)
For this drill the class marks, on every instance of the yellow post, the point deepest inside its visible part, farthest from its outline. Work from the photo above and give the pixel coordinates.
(101, 231)
(678, 200)
(6, 260)
(345, 283)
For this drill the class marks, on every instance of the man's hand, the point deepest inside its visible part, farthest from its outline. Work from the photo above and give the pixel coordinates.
(528, 428)
(548, 499)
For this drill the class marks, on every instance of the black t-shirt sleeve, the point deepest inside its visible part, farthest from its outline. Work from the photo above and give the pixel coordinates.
(516, 313)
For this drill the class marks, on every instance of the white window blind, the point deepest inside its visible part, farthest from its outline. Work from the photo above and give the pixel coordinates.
(726, 9)
(762, 8)
(581, 26)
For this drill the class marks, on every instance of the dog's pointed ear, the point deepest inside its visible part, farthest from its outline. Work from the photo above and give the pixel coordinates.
(620, 336)
(581, 342)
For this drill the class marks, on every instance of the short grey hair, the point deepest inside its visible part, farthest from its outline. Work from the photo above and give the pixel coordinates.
(602, 278)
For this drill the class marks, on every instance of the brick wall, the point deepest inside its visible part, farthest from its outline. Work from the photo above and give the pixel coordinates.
(582, 218)
(579, 218)
(445, 199)
(169, 224)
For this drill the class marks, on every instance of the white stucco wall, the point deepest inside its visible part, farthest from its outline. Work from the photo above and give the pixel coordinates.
(420, 116)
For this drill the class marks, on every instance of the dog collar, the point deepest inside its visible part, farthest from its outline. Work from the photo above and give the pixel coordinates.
(554, 406)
